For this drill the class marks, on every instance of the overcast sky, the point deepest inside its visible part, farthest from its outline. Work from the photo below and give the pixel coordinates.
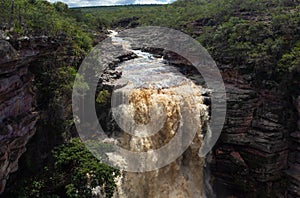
(81, 3)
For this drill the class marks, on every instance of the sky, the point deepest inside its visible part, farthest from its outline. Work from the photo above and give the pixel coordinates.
(84, 3)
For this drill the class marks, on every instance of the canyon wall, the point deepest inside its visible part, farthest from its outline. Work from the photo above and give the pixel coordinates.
(17, 110)
(18, 115)
(251, 156)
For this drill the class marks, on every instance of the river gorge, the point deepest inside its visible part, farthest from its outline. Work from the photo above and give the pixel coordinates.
(156, 91)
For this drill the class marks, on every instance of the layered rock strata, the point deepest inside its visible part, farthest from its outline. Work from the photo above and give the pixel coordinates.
(18, 114)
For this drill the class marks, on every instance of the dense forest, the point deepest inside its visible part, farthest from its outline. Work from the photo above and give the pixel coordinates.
(261, 37)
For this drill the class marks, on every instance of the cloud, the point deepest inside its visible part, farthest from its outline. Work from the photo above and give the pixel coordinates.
(84, 3)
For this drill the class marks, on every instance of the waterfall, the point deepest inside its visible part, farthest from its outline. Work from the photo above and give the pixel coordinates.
(155, 102)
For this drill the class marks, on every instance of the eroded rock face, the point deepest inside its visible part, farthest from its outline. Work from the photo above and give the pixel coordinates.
(252, 153)
(18, 116)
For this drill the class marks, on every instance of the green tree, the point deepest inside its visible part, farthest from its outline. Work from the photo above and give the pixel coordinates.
(84, 170)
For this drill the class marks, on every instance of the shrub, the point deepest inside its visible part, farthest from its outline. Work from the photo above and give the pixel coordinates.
(103, 97)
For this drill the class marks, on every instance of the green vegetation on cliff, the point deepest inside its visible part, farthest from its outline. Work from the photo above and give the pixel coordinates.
(39, 17)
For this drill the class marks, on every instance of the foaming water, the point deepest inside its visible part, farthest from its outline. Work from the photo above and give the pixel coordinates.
(182, 178)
